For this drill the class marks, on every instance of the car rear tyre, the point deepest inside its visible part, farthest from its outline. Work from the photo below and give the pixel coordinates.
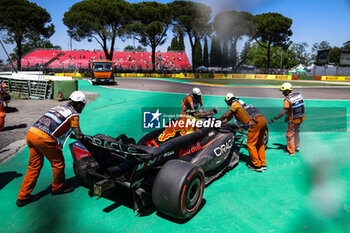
(178, 189)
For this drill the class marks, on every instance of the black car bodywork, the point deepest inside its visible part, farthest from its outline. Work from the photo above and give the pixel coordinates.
(171, 175)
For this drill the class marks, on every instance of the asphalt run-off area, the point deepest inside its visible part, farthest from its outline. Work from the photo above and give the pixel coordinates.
(306, 193)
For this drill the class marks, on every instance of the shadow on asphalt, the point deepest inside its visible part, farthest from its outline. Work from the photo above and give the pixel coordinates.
(71, 182)
(8, 128)
(121, 196)
(244, 158)
(10, 109)
(7, 177)
(278, 147)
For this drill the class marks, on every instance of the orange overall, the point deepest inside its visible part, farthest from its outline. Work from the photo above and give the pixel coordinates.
(256, 132)
(292, 134)
(42, 144)
(188, 102)
(2, 110)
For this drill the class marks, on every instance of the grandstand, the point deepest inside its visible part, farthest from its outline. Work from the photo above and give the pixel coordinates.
(123, 60)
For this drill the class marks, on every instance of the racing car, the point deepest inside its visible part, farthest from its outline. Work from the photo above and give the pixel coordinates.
(169, 174)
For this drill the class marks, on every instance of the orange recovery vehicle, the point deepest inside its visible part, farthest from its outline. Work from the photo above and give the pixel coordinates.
(102, 71)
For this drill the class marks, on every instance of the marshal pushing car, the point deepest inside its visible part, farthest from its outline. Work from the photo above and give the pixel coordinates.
(168, 167)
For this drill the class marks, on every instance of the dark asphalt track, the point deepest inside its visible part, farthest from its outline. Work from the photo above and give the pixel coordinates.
(330, 93)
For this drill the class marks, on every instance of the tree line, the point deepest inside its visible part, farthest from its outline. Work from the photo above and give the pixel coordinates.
(266, 36)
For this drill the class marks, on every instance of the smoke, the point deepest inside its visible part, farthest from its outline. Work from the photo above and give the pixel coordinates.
(238, 5)
(219, 6)
(328, 189)
(329, 184)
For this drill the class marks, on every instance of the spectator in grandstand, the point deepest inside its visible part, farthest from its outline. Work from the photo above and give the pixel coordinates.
(2, 109)
(46, 137)
(293, 109)
(192, 101)
(251, 118)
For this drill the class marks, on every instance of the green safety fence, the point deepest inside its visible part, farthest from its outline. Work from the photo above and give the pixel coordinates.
(30, 88)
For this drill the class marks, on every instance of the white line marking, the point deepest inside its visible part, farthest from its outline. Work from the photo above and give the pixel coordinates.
(225, 86)
(181, 93)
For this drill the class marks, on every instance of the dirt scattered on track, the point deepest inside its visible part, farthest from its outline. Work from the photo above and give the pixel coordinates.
(22, 114)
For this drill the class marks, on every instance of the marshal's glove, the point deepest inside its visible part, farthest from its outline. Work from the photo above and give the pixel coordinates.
(272, 120)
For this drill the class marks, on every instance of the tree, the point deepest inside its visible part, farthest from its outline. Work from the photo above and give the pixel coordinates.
(286, 58)
(179, 34)
(151, 22)
(34, 44)
(132, 48)
(323, 45)
(225, 55)
(257, 57)
(231, 26)
(102, 20)
(302, 55)
(215, 52)
(39, 44)
(334, 55)
(198, 59)
(193, 19)
(244, 54)
(272, 29)
(346, 46)
(24, 21)
(280, 58)
(181, 44)
(205, 53)
(174, 46)
(334, 52)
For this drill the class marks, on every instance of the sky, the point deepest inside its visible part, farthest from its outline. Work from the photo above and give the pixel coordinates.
(313, 21)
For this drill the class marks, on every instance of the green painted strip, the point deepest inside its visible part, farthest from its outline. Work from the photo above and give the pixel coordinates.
(307, 193)
(250, 82)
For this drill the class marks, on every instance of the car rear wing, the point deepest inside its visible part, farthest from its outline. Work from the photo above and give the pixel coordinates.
(106, 142)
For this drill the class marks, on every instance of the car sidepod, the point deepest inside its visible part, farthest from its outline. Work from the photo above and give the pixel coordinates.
(214, 151)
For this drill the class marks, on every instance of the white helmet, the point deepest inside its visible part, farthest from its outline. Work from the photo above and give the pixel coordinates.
(78, 96)
(229, 96)
(196, 91)
(286, 86)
